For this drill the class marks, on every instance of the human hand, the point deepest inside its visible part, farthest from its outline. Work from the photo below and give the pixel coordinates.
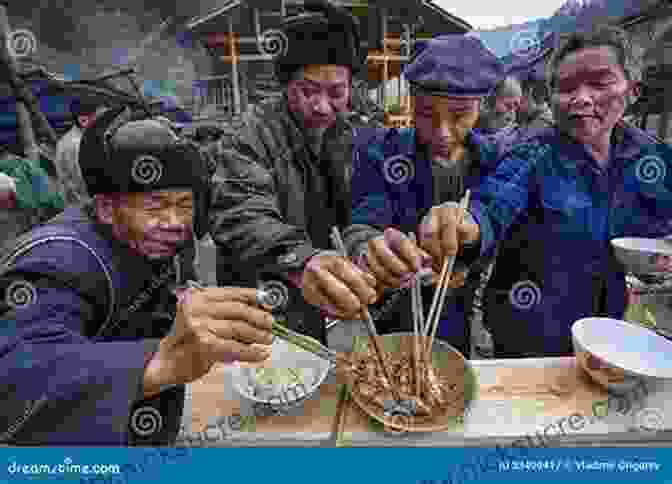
(338, 286)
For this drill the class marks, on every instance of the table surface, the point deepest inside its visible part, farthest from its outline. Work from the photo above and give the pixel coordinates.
(503, 412)
(491, 420)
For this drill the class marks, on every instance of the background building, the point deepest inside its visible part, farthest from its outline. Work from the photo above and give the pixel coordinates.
(239, 35)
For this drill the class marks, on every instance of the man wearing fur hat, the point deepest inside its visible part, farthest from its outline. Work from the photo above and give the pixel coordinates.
(285, 180)
(400, 174)
(99, 333)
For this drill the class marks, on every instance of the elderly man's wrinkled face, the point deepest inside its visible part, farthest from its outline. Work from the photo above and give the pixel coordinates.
(154, 224)
(321, 93)
(442, 123)
(590, 94)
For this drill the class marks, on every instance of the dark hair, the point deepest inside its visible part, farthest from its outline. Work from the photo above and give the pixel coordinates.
(629, 55)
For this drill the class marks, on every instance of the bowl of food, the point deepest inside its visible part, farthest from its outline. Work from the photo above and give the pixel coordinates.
(639, 255)
(434, 397)
(289, 377)
(621, 356)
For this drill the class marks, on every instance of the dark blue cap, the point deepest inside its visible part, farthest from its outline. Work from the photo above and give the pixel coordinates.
(454, 65)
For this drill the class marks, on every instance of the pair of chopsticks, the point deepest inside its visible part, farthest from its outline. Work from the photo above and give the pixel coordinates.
(442, 288)
(339, 245)
(301, 340)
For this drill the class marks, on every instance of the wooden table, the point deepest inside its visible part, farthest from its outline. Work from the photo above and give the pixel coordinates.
(516, 404)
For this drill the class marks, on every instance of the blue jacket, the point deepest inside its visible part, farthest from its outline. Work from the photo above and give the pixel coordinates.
(393, 186)
(553, 211)
(72, 355)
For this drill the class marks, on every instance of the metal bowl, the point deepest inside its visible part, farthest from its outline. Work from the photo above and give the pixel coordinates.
(620, 356)
(638, 254)
(450, 366)
(275, 400)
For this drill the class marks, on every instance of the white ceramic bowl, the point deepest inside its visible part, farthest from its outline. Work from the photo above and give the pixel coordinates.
(274, 397)
(619, 355)
(638, 254)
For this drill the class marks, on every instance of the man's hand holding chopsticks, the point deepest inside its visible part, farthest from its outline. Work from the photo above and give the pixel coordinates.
(337, 286)
(393, 258)
(213, 324)
(442, 235)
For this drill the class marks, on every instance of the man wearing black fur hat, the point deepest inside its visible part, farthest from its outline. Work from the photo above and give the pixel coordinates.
(285, 180)
(99, 334)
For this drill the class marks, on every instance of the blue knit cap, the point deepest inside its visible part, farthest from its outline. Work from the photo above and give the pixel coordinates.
(454, 65)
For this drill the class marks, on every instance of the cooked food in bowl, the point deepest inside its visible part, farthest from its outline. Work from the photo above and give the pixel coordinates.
(280, 383)
(289, 376)
(440, 392)
(620, 355)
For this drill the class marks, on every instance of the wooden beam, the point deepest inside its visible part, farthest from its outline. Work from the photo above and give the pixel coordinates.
(234, 69)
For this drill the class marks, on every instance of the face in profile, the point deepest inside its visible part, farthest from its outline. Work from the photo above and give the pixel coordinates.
(443, 123)
(156, 224)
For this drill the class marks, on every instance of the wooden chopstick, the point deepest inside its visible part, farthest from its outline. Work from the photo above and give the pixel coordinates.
(446, 274)
(339, 245)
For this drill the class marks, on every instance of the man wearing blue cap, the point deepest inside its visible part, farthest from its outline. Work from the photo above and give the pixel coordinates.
(556, 201)
(400, 174)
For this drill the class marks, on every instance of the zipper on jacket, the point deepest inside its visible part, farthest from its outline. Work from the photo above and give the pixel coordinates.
(19, 423)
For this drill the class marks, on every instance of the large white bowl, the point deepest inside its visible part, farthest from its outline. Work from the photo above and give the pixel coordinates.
(638, 254)
(620, 355)
(283, 355)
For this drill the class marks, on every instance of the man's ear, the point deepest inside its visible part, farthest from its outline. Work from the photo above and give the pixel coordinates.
(105, 205)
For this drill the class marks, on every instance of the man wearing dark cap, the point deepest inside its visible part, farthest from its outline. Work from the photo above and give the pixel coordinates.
(400, 174)
(285, 180)
(84, 112)
(99, 334)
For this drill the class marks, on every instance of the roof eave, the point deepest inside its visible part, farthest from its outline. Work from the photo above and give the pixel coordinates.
(197, 21)
(448, 16)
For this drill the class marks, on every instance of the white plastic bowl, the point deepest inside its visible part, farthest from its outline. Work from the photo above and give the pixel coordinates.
(619, 355)
(638, 254)
(283, 355)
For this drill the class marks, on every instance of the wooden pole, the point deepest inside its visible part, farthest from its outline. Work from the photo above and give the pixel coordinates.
(383, 13)
(27, 106)
(234, 68)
